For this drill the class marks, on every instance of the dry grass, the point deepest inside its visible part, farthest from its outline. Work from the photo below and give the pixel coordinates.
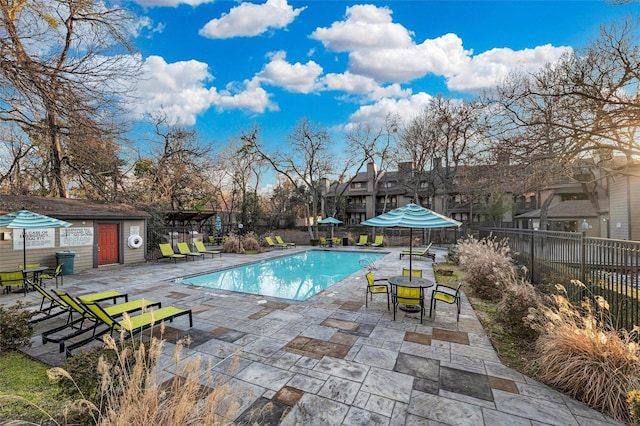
(134, 393)
(579, 353)
(488, 266)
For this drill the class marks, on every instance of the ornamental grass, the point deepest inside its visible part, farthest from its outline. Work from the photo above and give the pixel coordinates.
(488, 266)
(135, 393)
(580, 353)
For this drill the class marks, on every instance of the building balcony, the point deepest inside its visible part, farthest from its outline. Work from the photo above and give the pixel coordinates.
(356, 207)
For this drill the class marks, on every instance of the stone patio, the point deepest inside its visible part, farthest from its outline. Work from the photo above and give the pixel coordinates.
(329, 360)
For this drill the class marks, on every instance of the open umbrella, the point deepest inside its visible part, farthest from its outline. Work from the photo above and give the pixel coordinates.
(24, 219)
(412, 216)
(331, 221)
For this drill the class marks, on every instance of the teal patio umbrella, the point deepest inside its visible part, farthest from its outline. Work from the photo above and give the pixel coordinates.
(24, 219)
(412, 216)
(330, 221)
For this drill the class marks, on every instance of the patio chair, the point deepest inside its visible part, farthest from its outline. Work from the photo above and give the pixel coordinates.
(53, 274)
(323, 242)
(183, 248)
(336, 241)
(168, 252)
(378, 242)
(363, 241)
(202, 249)
(272, 244)
(374, 288)
(424, 251)
(415, 273)
(279, 240)
(13, 279)
(448, 293)
(408, 296)
(29, 265)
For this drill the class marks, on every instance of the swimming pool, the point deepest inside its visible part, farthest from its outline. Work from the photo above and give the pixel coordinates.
(297, 277)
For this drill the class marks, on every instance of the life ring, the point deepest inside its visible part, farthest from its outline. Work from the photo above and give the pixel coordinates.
(134, 241)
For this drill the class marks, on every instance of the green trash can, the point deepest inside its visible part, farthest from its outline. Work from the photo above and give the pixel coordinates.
(67, 259)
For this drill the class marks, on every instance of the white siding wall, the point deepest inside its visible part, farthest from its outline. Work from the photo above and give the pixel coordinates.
(618, 209)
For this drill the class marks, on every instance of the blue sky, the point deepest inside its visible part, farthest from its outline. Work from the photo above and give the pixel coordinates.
(223, 66)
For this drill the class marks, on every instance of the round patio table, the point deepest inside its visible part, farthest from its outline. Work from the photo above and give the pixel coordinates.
(412, 282)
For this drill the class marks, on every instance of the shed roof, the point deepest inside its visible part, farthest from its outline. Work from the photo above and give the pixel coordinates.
(70, 208)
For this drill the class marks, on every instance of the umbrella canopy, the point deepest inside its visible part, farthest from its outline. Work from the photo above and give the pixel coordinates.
(412, 216)
(330, 221)
(24, 219)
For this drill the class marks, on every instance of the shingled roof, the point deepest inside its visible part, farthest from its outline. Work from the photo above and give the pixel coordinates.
(70, 208)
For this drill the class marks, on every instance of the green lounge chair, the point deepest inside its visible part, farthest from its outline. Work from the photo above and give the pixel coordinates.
(184, 249)
(140, 322)
(202, 249)
(272, 244)
(168, 252)
(418, 252)
(378, 242)
(55, 302)
(280, 241)
(363, 241)
(74, 306)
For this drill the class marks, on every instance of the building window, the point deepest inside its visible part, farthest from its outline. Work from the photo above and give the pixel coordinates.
(357, 185)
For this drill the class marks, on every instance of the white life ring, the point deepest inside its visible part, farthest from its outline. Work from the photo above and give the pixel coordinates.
(134, 241)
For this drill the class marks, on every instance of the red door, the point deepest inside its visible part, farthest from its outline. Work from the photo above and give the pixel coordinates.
(107, 243)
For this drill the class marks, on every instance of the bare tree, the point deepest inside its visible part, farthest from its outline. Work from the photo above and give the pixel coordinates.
(305, 163)
(437, 142)
(579, 115)
(64, 64)
(174, 176)
(368, 145)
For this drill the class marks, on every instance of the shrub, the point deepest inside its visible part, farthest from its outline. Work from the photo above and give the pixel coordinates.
(580, 353)
(488, 266)
(634, 406)
(15, 330)
(514, 307)
(250, 243)
(232, 245)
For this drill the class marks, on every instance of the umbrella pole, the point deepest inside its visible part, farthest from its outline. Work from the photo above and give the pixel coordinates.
(410, 252)
(24, 247)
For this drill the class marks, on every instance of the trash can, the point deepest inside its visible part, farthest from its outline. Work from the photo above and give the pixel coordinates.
(67, 259)
(345, 241)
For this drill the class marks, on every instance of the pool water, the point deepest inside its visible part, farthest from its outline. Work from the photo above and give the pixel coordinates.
(296, 277)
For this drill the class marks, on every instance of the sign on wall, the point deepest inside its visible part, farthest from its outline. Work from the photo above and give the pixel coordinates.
(76, 237)
(36, 238)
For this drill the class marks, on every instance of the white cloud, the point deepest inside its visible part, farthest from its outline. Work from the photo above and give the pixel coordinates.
(489, 68)
(366, 27)
(441, 56)
(179, 91)
(350, 83)
(375, 114)
(249, 96)
(171, 3)
(249, 19)
(300, 78)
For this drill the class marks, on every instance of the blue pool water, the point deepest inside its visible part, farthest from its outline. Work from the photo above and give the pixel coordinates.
(297, 277)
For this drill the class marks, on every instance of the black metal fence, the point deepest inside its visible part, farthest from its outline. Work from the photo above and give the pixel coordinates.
(608, 268)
